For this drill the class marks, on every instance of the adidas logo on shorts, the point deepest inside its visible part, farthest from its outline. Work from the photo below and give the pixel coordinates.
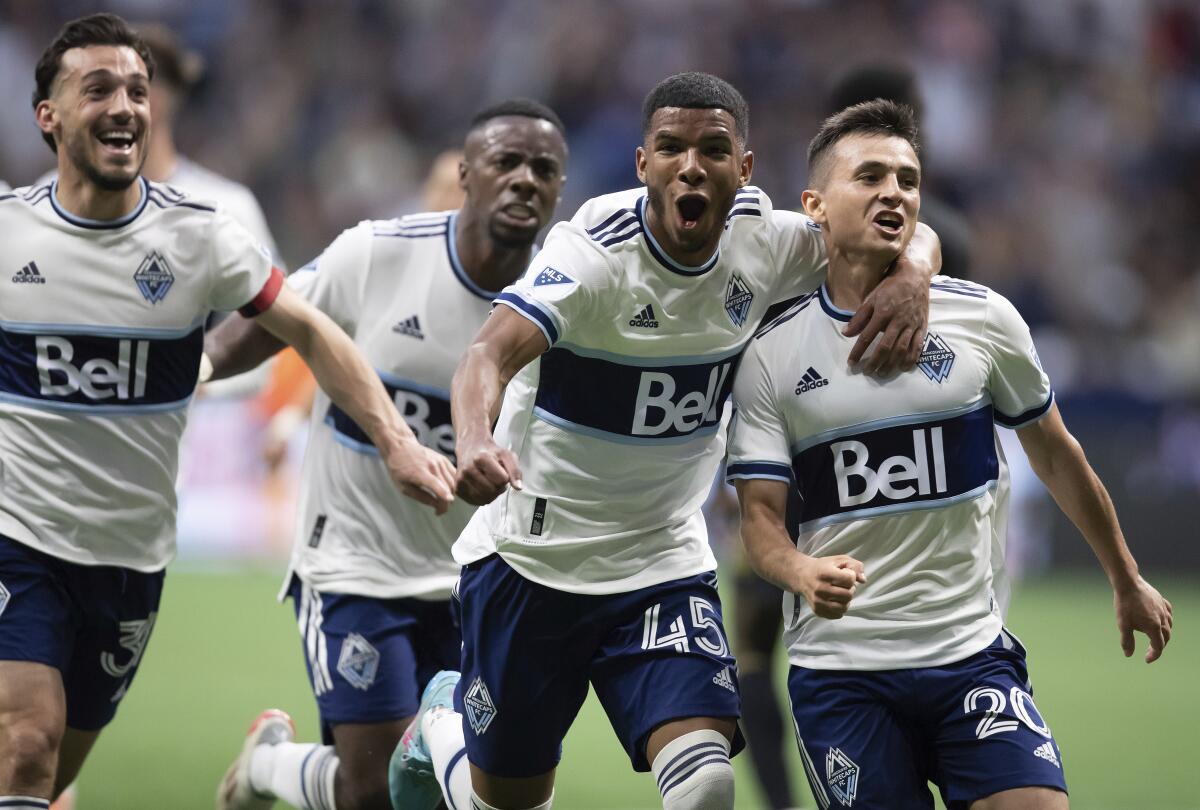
(645, 319)
(1046, 752)
(723, 678)
(811, 379)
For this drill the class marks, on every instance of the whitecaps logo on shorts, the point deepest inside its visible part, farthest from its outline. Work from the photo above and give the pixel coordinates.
(4, 597)
(481, 711)
(841, 774)
(358, 662)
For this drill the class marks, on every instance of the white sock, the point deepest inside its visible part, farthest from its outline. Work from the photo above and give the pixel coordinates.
(479, 804)
(693, 772)
(443, 733)
(300, 774)
(23, 803)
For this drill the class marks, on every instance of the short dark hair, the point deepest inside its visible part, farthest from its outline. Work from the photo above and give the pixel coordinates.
(878, 117)
(96, 29)
(526, 107)
(889, 80)
(697, 91)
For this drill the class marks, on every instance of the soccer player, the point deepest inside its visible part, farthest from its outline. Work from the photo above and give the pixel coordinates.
(590, 561)
(902, 671)
(100, 339)
(371, 575)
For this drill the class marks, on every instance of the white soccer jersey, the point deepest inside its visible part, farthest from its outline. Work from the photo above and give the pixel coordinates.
(399, 291)
(619, 426)
(903, 474)
(101, 330)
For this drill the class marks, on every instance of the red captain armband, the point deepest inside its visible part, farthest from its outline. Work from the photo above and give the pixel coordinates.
(266, 296)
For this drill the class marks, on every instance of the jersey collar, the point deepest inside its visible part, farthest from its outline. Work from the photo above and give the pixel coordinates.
(456, 265)
(661, 256)
(100, 224)
(830, 309)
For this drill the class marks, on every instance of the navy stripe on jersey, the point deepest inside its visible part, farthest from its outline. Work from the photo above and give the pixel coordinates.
(660, 255)
(605, 225)
(37, 195)
(634, 400)
(424, 408)
(960, 288)
(129, 371)
(746, 204)
(921, 461)
(530, 309)
(627, 230)
(414, 226)
(759, 469)
(1032, 415)
(797, 306)
(830, 309)
(101, 224)
(163, 201)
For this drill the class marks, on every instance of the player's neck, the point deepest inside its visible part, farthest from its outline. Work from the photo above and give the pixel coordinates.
(486, 262)
(161, 157)
(78, 195)
(850, 279)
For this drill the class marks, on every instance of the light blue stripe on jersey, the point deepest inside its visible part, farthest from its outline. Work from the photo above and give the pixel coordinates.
(456, 265)
(622, 438)
(94, 410)
(892, 509)
(892, 421)
(1028, 417)
(341, 438)
(830, 309)
(541, 317)
(416, 387)
(772, 470)
(99, 224)
(98, 330)
(652, 362)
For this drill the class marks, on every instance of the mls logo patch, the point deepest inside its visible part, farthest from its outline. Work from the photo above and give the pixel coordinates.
(4, 597)
(936, 358)
(737, 300)
(154, 278)
(481, 711)
(841, 774)
(552, 276)
(358, 662)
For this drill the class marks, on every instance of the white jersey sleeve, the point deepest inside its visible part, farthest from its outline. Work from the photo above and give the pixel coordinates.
(241, 266)
(1020, 389)
(799, 250)
(334, 282)
(758, 443)
(559, 291)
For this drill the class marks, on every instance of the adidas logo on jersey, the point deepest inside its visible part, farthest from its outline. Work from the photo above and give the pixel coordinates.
(725, 679)
(28, 274)
(1046, 752)
(645, 319)
(410, 326)
(811, 379)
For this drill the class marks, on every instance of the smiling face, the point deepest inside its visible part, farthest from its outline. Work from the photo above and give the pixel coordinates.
(512, 172)
(868, 195)
(692, 164)
(99, 114)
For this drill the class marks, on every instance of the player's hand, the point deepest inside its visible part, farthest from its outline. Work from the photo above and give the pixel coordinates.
(897, 312)
(484, 470)
(422, 474)
(829, 583)
(1141, 607)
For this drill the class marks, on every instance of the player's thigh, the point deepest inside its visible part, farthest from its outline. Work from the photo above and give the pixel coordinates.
(1031, 798)
(525, 657)
(32, 718)
(665, 657)
(364, 750)
(856, 749)
(361, 657)
(991, 736)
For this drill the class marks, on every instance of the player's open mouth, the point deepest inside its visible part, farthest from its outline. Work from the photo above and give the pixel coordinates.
(117, 140)
(690, 207)
(890, 222)
(520, 212)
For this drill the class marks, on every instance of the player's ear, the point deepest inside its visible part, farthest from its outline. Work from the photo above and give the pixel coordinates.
(747, 168)
(814, 205)
(462, 174)
(46, 116)
(639, 160)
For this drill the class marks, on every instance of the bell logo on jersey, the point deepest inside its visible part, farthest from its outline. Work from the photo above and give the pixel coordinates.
(97, 378)
(656, 410)
(853, 471)
(437, 433)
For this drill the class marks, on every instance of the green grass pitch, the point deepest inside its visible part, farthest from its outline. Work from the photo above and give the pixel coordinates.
(223, 650)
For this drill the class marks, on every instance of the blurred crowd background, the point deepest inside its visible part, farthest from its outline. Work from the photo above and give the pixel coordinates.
(1067, 132)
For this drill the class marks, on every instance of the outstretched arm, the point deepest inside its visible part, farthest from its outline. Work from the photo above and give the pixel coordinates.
(1059, 461)
(827, 583)
(505, 345)
(349, 380)
(238, 344)
(897, 311)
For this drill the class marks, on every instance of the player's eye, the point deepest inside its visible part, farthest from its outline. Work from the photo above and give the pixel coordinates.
(669, 148)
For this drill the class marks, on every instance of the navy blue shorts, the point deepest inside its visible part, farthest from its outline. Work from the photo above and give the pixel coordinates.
(874, 739)
(652, 655)
(90, 622)
(368, 659)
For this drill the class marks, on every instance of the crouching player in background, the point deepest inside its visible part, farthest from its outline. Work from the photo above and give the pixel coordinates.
(918, 680)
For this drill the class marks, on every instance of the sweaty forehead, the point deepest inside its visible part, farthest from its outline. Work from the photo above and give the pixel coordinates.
(863, 147)
(117, 59)
(516, 132)
(683, 121)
